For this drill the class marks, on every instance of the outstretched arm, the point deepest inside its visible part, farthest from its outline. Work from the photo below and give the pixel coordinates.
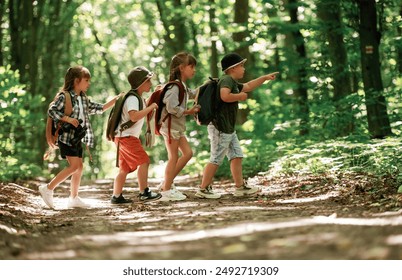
(253, 84)
(111, 102)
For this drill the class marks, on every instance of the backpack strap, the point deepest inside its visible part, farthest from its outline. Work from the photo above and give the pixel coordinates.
(130, 123)
(68, 109)
(181, 98)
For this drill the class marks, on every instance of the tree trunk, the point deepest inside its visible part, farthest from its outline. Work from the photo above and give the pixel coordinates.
(299, 73)
(378, 121)
(329, 13)
(178, 37)
(399, 46)
(241, 15)
(214, 37)
(2, 11)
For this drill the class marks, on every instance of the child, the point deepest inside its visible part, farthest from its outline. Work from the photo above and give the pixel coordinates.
(221, 132)
(182, 68)
(131, 154)
(76, 83)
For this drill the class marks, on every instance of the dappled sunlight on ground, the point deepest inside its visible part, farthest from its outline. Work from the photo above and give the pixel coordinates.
(292, 218)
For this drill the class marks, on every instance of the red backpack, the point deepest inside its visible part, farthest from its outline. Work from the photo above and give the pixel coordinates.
(157, 97)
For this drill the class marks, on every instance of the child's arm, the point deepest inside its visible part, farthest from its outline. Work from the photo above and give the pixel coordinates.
(195, 109)
(137, 115)
(171, 99)
(229, 97)
(251, 85)
(110, 103)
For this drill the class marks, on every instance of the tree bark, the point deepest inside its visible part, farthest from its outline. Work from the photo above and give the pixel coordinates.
(214, 37)
(241, 15)
(299, 73)
(399, 46)
(370, 37)
(2, 11)
(329, 13)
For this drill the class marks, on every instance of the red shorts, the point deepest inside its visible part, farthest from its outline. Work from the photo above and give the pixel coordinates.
(131, 153)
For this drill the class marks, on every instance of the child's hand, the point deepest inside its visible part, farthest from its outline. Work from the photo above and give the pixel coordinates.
(154, 106)
(50, 142)
(194, 110)
(158, 87)
(242, 96)
(197, 108)
(271, 76)
(73, 121)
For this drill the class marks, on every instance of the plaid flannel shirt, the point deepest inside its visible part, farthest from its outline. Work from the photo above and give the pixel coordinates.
(56, 112)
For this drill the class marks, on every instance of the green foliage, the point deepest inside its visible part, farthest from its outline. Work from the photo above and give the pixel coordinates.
(17, 127)
(377, 157)
(132, 33)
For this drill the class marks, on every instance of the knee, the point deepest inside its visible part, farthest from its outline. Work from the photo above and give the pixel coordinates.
(77, 168)
(188, 155)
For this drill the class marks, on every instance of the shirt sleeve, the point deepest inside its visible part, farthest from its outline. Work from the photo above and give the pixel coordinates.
(132, 103)
(56, 109)
(94, 107)
(171, 99)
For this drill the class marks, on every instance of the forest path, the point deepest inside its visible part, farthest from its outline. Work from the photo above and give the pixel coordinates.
(299, 217)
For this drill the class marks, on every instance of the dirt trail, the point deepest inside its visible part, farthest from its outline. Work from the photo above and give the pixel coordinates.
(305, 217)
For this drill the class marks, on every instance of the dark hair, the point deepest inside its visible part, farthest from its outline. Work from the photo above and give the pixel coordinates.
(76, 72)
(181, 58)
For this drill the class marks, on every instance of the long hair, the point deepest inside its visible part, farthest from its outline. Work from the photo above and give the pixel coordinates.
(76, 72)
(179, 59)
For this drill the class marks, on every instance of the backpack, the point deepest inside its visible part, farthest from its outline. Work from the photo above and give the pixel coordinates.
(115, 115)
(207, 98)
(157, 97)
(52, 131)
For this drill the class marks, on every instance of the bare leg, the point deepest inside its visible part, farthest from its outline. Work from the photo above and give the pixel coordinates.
(66, 172)
(186, 155)
(208, 175)
(237, 171)
(173, 155)
(143, 176)
(119, 183)
(76, 163)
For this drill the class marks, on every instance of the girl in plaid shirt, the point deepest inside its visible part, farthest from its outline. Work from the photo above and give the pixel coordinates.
(76, 83)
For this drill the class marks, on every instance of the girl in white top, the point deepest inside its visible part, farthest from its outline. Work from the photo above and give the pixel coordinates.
(182, 68)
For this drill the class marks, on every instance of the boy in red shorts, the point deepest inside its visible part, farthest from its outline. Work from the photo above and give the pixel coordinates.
(131, 154)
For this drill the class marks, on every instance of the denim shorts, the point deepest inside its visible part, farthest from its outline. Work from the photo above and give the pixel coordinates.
(223, 144)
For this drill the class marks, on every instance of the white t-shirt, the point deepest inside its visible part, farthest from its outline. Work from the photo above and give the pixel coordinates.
(81, 116)
(130, 105)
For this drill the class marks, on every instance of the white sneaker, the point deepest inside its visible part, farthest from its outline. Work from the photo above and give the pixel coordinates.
(160, 186)
(47, 195)
(171, 195)
(179, 193)
(76, 202)
(245, 190)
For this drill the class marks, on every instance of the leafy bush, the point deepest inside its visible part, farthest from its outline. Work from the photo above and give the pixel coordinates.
(16, 128)
(376, 157)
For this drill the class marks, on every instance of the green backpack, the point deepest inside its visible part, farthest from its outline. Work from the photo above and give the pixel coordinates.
(115, 115)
